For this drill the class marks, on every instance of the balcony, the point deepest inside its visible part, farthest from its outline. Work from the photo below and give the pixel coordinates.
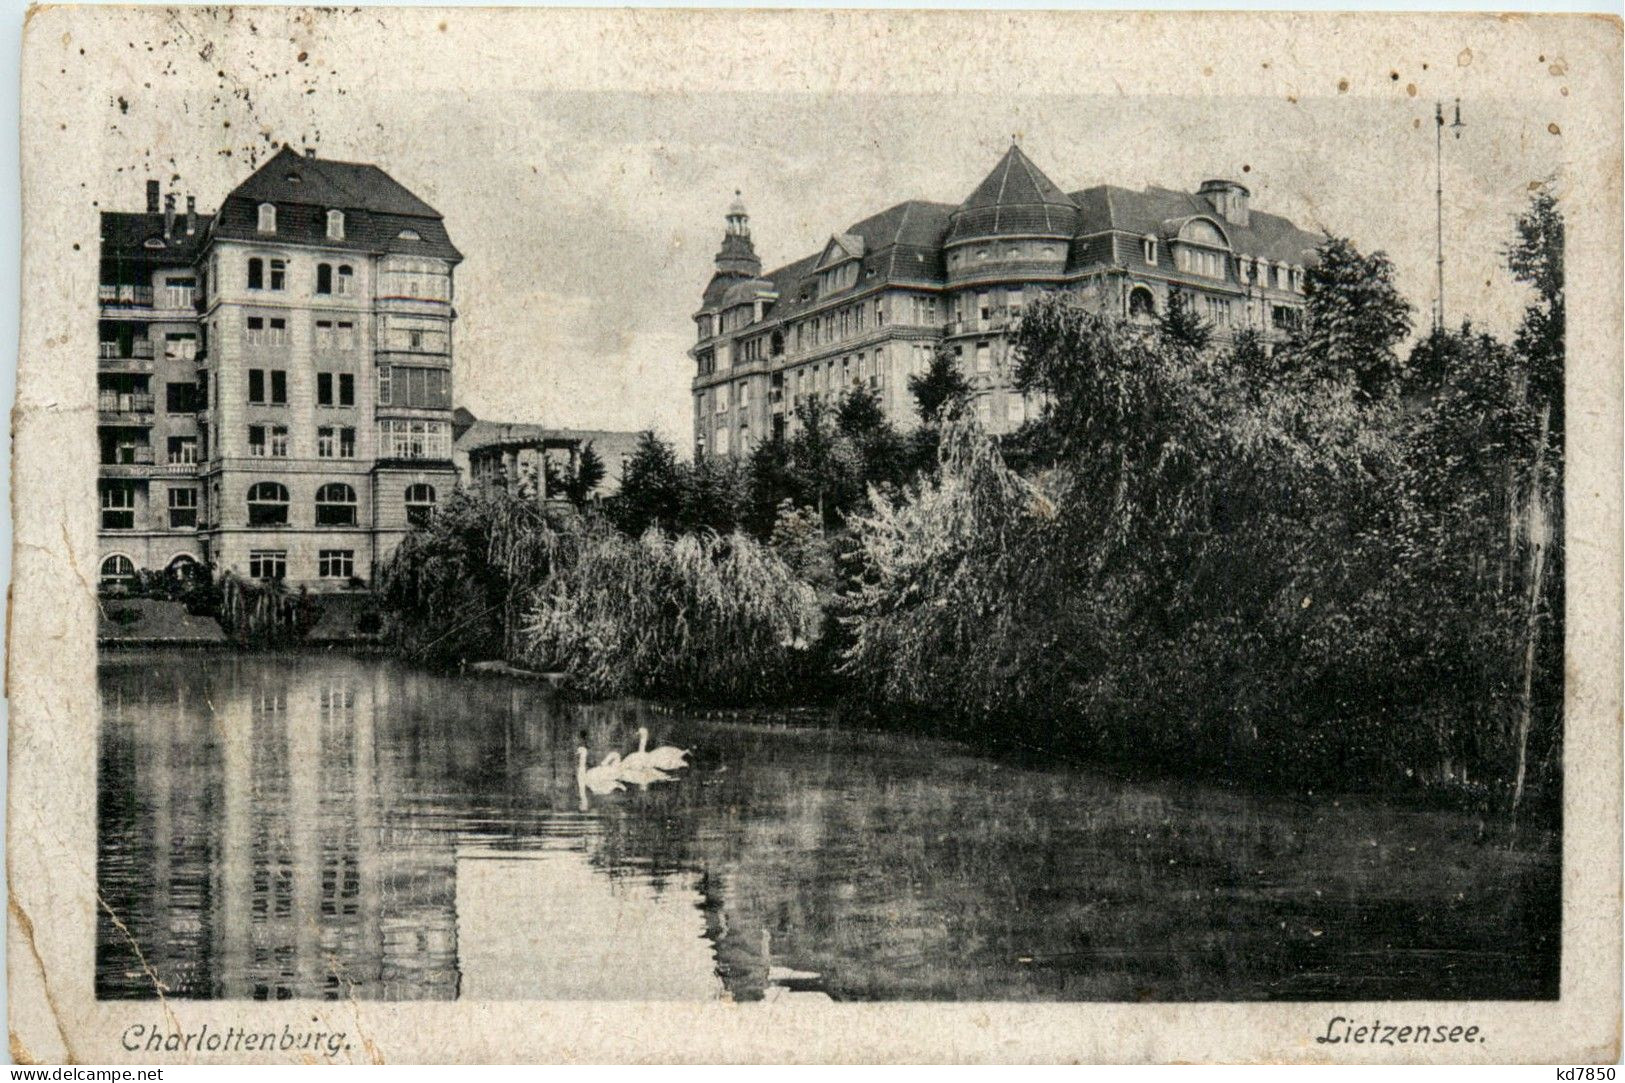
(118, 357)
(137, 464)
(125, 296)
(176, 470)
(125, 407)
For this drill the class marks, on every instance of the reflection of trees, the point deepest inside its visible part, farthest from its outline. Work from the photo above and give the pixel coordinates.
(280, 828)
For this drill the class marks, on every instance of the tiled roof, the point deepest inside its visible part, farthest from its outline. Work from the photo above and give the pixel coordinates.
(1015, 181)
(125, 235)
(364, 231)
(1267, 235)
(290, 177)
(377, 209)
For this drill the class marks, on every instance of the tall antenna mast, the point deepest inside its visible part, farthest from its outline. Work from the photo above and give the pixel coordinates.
(1438, 200)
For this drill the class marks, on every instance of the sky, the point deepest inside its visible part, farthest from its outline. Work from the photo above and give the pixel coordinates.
(588, 218)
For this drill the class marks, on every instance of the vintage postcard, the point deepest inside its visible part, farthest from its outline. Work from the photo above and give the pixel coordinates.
(636, 535)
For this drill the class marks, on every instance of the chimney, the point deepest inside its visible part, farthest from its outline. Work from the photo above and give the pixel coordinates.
(1228, 198)
(310, 152)
(169, 214)
(152, 197)
(191, 215)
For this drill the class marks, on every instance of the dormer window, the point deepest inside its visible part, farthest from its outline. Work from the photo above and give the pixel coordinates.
(335, 225)
(1148, 249)
(267, 218)
(1297, 279)
(409, 235)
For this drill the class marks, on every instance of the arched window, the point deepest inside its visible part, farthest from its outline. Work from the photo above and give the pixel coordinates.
(256, 274)
(324, 278)
(267, 218)
(335, 225)
(335, 505)
(117, 571)
(1142, 305)
(419, 504)
(267, 504)
(346, 279)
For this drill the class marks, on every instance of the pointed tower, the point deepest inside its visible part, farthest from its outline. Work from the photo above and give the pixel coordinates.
(1017, 218)
(737, 256)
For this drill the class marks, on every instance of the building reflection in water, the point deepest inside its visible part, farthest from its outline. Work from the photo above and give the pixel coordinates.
(331, 826)
(270, 834)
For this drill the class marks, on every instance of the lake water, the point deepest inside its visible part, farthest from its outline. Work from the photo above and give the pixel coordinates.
(327, 826)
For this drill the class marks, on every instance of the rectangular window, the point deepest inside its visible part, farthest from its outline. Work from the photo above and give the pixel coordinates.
(256, 440)
(326, 442)
(279, 387)
(983, 309)
(118, 508)
(180, 346)
(335, 225)
(279, 441)
(984, 356)
(384, 385)
(346, 335)
(414, 440)
(324, 278)
(346, 443)
(277, 334)
(181, 398)
(279, 274)
(267, 222)
(324, 389)
(256, 385)
(336, 563)
(256, 274)
(324, 333)
(182, 509)
(346, 389)
(182, 450)
(268, 564)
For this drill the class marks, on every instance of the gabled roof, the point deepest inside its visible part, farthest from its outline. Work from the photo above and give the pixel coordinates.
(841, 247)
(1269, 236)
(290, 177)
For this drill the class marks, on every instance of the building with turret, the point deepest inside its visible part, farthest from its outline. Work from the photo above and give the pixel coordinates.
(878, 299)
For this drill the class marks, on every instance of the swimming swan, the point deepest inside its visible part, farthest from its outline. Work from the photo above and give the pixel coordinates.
(664, 758)
(605, 778)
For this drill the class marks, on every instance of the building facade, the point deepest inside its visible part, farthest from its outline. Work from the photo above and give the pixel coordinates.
(275, 379)
(875, 303)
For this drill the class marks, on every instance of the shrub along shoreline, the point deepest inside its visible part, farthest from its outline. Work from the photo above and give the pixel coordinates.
(1322, 565)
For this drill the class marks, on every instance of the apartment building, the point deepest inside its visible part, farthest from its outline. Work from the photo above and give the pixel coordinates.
(275, 378)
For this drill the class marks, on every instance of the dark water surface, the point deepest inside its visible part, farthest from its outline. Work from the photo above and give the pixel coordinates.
(328, 826)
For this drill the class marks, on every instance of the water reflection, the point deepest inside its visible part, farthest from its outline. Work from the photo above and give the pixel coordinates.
(327, 826)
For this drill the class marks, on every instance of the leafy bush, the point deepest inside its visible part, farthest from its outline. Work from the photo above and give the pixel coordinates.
(699, 616)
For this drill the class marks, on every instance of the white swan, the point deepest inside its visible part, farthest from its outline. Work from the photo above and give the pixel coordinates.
(664, 758)
(605, 778)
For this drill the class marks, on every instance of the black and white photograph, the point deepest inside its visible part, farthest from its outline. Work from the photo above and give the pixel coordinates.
(957, 540)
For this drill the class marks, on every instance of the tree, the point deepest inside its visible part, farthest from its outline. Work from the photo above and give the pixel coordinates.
(1181, 327)
(941, 391)
(1354, 318)
(651, 487)
(577, 485)
(824, 466)
(1535, 257)
(885, 457)
(713, 496)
